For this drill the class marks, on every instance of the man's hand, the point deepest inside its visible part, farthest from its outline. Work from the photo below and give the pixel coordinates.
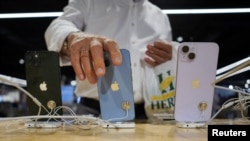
(158, 53)
(86, 54)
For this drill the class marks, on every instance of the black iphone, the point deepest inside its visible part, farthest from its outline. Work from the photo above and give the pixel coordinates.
(43, 78)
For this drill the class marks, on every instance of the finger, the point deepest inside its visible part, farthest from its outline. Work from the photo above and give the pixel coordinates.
(150, 62)
(86, 63)
(162, 44)
(156, 58)
(113, 49)
(96, 50)
(165, 47)
(156, 54)
(157, 51)
(75, 61)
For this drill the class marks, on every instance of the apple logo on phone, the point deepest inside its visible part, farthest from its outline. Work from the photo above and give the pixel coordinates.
(43, 86)
(196, 84)
(115, 86)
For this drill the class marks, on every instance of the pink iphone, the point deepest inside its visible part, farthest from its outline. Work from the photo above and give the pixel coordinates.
(196, 71)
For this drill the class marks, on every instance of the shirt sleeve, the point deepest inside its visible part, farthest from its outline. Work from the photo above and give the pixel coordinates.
(71, 20)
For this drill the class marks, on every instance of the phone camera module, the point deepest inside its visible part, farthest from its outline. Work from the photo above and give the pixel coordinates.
(36, 60)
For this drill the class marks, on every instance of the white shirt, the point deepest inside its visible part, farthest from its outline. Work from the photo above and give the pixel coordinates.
(132, 24)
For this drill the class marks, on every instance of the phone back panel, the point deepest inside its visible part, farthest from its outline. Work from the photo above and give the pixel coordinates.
(43, 80)
(115, 90)
(196, 71)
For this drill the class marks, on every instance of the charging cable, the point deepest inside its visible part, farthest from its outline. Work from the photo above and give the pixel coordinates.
(241, 66)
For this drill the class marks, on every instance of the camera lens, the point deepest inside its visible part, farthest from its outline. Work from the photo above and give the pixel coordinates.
(185, 49)
(191, 56)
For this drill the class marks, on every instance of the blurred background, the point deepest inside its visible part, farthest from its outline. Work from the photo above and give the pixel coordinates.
(17, 35)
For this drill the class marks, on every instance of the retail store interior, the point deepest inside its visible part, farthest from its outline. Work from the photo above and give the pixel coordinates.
(230, 30)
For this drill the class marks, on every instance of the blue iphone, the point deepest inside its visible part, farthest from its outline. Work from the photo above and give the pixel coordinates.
(115, 90)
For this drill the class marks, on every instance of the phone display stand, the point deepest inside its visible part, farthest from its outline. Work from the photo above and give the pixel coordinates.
(238, 67)
(15, 80)
(119, 125)
(40, 124)
(191, 125)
